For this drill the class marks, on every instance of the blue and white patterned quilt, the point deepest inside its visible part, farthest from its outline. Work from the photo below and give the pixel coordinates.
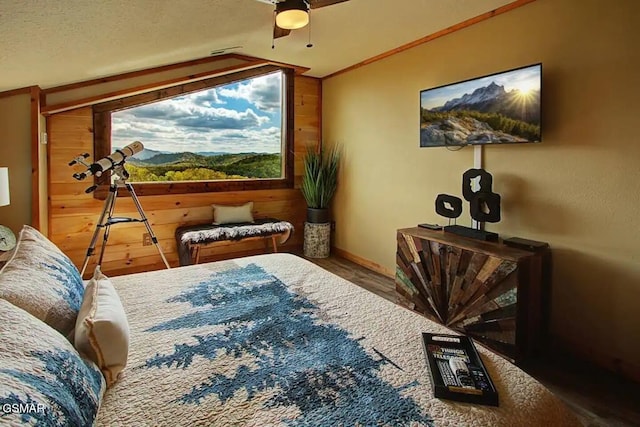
(274, 340)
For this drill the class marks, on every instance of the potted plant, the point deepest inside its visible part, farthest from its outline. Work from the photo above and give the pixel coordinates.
(319, 182)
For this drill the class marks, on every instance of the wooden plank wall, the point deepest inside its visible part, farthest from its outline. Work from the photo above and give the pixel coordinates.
(73, 213)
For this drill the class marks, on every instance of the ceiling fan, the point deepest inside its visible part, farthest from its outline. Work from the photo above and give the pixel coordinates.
(294, 14)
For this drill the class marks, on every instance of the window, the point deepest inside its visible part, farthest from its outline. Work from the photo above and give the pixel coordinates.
(226, 133)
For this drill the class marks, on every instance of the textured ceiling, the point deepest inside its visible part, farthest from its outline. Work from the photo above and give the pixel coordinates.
(54, 42)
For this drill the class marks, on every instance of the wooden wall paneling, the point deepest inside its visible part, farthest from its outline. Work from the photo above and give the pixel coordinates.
(308, 109)
(65, 205)
(73, 213)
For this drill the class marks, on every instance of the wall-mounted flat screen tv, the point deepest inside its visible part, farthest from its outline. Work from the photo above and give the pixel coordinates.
(501, 108)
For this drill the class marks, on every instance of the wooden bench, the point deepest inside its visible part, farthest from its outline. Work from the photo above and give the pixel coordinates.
(190, 239)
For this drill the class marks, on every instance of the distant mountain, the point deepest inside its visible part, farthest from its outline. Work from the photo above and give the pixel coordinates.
(160, 158)
(149, 153)
(479, 96)
(256, 165)
(146, 154)
(495, 99)
(211, 153)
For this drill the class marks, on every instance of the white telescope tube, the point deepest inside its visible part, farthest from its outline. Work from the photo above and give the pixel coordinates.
(114, 159)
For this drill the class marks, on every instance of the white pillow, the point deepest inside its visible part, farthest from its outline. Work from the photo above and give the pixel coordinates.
(102, 329)
(223, 214)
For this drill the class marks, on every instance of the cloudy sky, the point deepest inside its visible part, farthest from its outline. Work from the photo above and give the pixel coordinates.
(236, 118)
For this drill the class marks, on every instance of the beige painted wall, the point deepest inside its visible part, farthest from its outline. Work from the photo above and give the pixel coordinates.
(579, 189)
(15, 153)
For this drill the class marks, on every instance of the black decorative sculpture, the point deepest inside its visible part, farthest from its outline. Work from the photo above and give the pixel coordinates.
(484, 184)
(484, 205)
(442, 209)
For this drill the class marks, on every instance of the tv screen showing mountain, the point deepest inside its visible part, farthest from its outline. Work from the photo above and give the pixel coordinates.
(501, 108)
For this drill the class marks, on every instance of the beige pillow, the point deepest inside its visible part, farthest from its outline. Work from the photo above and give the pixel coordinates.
(232, 214)
(102, 329)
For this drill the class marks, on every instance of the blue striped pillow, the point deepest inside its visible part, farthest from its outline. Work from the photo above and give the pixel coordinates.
(43, 281)
(43, 379)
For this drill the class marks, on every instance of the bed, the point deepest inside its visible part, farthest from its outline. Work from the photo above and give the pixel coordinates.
(274, 340)
(270, 340)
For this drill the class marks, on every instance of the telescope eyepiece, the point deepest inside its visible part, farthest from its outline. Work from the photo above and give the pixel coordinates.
(115, 159)
(79, 159)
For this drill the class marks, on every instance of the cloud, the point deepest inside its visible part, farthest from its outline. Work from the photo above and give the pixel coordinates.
(264, 91)
(203, 122)
(220, 118)
(173, 138)
(184, 113)
(207, 98)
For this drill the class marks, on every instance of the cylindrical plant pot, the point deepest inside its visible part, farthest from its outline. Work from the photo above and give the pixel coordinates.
(317, 240)
(317, 216)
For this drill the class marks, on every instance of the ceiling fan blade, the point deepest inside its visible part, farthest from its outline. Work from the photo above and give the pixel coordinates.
(279, 32)
(315, 4)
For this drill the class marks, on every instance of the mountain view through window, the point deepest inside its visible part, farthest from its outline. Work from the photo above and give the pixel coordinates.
(228, 132)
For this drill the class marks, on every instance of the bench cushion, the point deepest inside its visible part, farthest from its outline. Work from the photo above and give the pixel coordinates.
(208, 233)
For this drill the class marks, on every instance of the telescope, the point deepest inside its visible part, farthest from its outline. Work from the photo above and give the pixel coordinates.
(111, 161)
(119, 178)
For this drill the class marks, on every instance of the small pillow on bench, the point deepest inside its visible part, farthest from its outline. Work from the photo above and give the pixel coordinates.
(223, 214)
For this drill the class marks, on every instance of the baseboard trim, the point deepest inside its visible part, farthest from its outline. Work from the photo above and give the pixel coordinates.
(364, 262)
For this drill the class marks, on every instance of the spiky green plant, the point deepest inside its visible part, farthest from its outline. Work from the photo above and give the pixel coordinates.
(320, 178)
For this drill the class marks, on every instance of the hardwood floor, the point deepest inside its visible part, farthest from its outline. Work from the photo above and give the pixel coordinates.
(598, 397)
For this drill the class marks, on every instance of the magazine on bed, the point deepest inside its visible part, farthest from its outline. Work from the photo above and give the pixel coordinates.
(457, 371)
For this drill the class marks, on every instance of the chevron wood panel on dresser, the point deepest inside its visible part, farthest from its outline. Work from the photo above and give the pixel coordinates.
(486, 290)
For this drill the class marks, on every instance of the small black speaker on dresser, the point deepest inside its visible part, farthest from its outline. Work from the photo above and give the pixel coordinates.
(526, 244)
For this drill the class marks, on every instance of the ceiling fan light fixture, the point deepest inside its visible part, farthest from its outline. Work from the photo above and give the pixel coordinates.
(292, 14)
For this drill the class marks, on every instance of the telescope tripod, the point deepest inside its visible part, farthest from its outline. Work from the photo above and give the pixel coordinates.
(107, 220)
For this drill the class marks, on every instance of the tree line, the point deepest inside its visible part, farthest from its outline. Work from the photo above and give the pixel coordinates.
(256, 166)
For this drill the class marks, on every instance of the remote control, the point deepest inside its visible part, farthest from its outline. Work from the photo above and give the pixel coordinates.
(445, 372)
(459, 368)
(480, 378)
(431, 226)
